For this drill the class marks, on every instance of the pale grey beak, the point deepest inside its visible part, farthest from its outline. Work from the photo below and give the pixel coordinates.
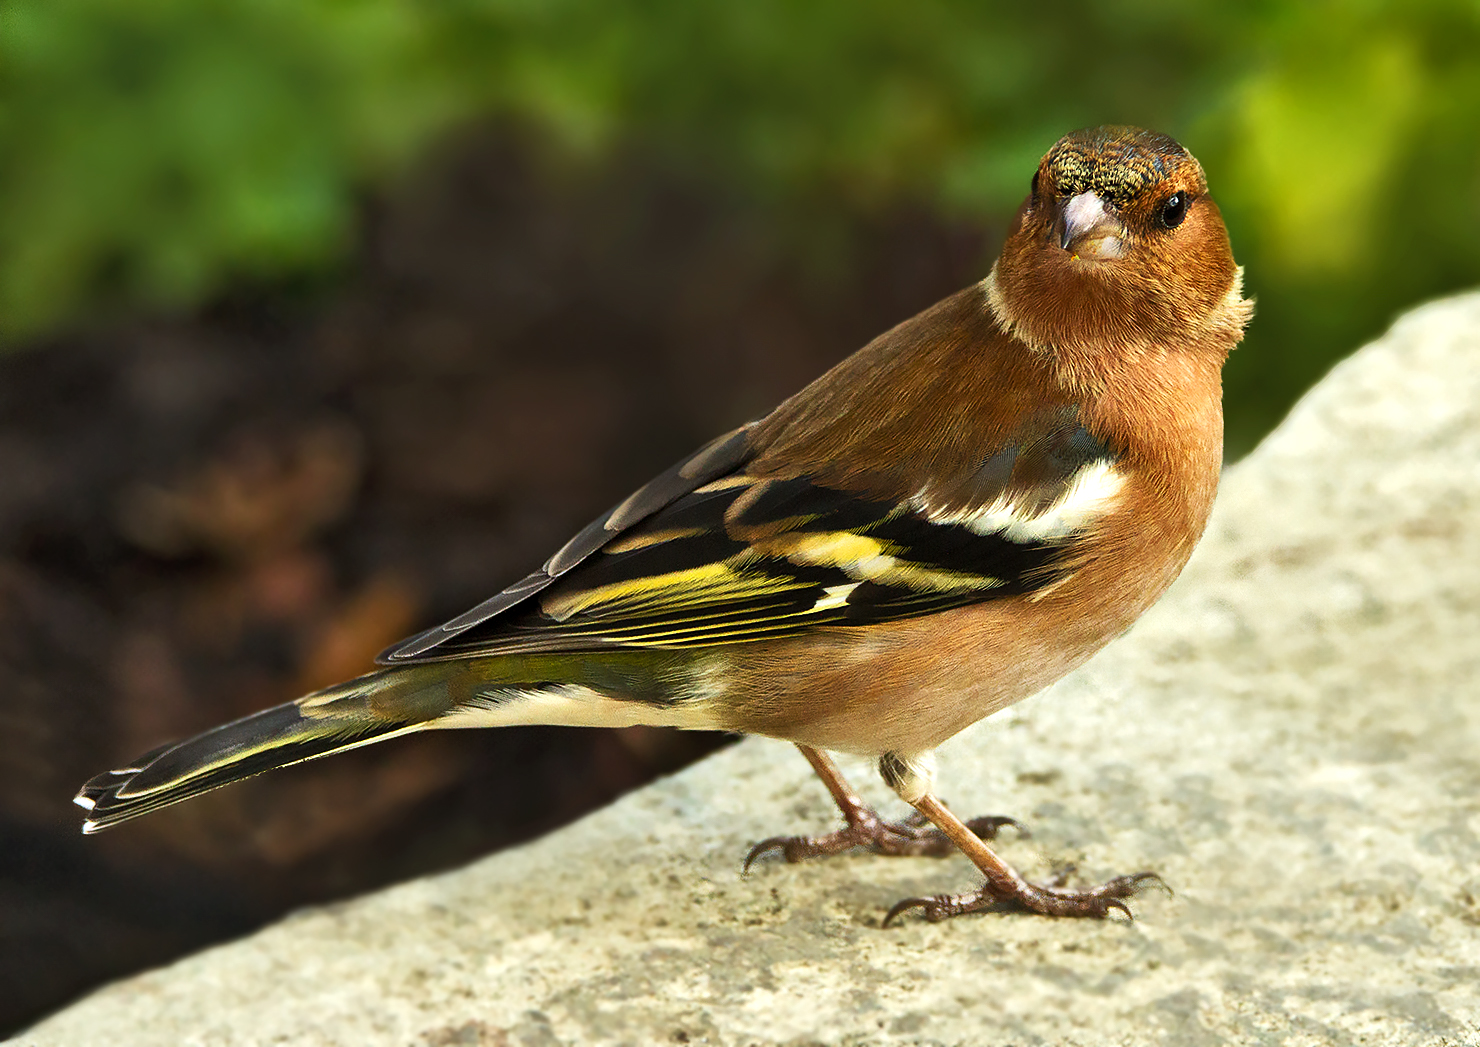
(1088, 229)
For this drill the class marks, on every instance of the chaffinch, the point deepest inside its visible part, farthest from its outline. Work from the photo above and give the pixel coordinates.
(945, 523)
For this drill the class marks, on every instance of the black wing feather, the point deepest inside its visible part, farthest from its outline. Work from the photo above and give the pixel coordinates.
(717, 458)
(708, 554)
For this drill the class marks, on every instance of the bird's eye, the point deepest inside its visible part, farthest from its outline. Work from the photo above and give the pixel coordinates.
(1174, 210)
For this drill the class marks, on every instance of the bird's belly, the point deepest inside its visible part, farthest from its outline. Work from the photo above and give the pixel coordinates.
(908, 686)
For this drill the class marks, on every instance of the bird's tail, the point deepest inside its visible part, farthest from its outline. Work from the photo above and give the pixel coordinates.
(617, 689)
(364, 710)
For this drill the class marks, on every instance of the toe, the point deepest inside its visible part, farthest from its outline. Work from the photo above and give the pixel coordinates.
(988, 826)
(774, 843)
(906, 904)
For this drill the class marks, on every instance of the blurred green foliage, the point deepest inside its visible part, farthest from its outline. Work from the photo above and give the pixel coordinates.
(152, 149)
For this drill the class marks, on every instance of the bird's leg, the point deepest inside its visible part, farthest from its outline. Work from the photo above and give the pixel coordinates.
(1004, 884)
(866, 829)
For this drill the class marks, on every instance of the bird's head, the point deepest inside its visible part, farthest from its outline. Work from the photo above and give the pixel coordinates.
(1119, 242)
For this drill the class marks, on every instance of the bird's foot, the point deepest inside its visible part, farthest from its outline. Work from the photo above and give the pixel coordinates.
(1048, 900)
(912, 837)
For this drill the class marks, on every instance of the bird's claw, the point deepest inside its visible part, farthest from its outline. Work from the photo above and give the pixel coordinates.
(1140, 880)
(1095, 903)
(789, 847)
(934, 907)
(989, 825)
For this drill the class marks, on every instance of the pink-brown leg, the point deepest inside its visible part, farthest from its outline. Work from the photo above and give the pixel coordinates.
(866, 829)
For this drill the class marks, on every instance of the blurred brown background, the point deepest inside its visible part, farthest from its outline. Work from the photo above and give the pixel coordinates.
(321, 321)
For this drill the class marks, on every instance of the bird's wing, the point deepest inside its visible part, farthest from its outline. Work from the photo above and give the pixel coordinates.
(720, 457)
(735, 556)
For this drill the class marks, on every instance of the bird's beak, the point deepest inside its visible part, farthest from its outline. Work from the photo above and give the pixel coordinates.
(1086, 228)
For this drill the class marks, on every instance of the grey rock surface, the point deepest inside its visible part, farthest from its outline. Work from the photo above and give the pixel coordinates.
(1292, 738)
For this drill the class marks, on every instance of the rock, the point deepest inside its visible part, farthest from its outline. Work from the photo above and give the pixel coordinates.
(1292, 738)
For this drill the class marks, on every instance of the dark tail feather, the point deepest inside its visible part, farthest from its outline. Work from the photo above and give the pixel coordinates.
(327, 722)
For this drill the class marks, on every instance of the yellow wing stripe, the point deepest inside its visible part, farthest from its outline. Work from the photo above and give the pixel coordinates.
(865, 559)
(859, 557)
(696, 586)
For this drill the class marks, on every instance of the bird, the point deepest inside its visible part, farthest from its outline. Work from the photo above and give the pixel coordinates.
(946, 522)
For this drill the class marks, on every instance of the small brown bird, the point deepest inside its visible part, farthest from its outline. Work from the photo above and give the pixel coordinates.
(946, 522)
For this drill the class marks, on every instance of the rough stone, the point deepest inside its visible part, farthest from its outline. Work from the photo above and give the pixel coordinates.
(1292, 738)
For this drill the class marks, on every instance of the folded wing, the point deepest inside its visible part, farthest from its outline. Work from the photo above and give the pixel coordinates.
(739, 556)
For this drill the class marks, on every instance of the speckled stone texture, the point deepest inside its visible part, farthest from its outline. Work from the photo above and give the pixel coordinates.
(1292, 738)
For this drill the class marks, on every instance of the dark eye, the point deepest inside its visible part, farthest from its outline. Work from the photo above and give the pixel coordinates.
(1174, 210)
